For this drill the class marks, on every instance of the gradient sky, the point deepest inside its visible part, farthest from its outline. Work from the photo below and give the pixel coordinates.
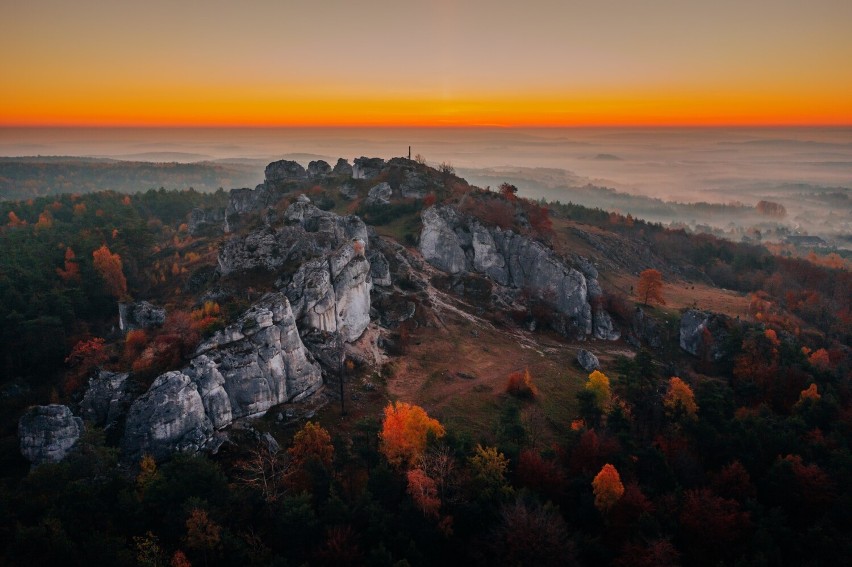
(433, 63)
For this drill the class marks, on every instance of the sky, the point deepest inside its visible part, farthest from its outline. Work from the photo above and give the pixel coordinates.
(440, 63)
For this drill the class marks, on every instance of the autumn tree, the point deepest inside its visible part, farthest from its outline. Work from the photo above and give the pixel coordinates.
(820, 359)
(488, 468)
(598, 386)
(521, 385)
(202, 533)
(14, 221)
(607, 487)
(424, 492)
(264, 470)
(108, 266)
(405, 431)
(679, 400)
(83, 358)
(71, 272)
(311, 449)
(650, 287)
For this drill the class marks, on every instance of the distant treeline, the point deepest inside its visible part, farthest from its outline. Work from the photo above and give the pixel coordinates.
(29, 177)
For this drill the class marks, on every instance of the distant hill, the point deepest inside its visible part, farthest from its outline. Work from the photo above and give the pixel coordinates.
(29, 177)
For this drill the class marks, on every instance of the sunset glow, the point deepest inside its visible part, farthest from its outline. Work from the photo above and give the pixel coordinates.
(442, 64)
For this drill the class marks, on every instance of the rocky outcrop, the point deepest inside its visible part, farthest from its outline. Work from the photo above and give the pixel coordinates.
(141, 315)
(414, 185)
(457, 243)
(379, 268)
(168, 418)
(243, 370)
(587, 360)
(602, 325)
(318, 169)
(48, 433)
(342, 167)
(200, 220)
(332, 294)
(644, 330)
(704, 334)
(379, 195)
(107, 399)
(367, 168)
(311, 232)
(284, 170)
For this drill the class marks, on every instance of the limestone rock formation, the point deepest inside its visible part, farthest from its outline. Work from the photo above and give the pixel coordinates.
(48, 433)
(342, 167)
(141, 315)
(379, 195)
(348, 190)
(457, 243)
(318, 168)
(703, 333)
(644, 330)
(311, 232)
(201, 219)
(332, 293)
(587, 360)
(367, 168)
(242, 370)
(602, 325)
(168, 418)
(284, 170)
(107, 399)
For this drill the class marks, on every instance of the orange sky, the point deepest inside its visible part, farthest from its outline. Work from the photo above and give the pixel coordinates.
(436, 63)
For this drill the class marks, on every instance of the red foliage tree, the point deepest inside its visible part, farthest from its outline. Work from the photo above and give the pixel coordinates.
(712, 525)
(83, 358)
(521, 385)
(424, 491)
(542, 475)
(607, 487)
(405, 431)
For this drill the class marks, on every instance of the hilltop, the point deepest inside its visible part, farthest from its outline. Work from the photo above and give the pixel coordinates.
(186, 338)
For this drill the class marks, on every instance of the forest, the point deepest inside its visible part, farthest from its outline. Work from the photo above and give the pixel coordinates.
(737, 459)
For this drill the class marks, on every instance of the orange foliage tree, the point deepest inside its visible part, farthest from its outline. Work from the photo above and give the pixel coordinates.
(14, 221)
(311, 442)
(607, 487)
(85, 356)
(650, 287)
(679, 399)
(71, 272)
(405, 431)
(521, 385)
(108, 266)
(820, 359)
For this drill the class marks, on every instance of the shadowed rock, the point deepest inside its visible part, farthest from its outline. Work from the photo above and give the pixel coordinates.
(48, 433)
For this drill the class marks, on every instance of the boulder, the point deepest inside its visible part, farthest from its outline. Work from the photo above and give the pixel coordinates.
(603, 327)
(141, 315)
(379, 269)
(588, 361)
(367, 168)
(644, 330)
(284, 170)
(107, 399)
(48, 433)
(379, 195)
(318, 168)
(342, 167)
(168, 418)
(439, 243)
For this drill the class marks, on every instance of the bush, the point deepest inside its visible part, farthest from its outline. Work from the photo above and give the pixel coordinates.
(521, 385)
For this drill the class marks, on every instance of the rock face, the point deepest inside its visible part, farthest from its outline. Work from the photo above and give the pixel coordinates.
(644, 329)
(243, 370)
(379, 195)
(342, 167)
(311, 232)
(703, 333)
(141, 315)
(284, 170)
(602, 325)
(201, 219)
(168, 418)
(332, 294)
(318, 168)
(367, 168)
(457, 243)
(48, 433)
(588, 361)
(107, 399)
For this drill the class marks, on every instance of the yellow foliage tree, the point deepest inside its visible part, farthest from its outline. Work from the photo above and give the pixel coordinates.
(404, 433)
(679, 399)
(607, 487)
(598, 385)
